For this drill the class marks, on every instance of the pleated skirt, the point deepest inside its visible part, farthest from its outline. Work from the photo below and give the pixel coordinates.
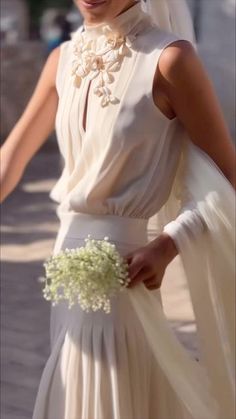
(101, 366)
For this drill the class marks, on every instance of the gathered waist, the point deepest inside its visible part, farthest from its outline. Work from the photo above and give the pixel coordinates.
(119, 229)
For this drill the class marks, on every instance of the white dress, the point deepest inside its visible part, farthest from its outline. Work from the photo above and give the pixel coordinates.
(120, 159)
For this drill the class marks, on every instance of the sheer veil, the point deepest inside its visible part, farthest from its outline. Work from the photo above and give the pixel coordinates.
(171, 15)
(206, 388)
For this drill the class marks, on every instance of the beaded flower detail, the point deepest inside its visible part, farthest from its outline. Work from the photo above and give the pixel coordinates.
(98, 59)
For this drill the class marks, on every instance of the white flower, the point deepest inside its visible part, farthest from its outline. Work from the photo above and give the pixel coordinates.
(88, 275)
(99, 58)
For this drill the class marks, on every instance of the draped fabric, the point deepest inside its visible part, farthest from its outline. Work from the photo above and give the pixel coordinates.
(209, 262)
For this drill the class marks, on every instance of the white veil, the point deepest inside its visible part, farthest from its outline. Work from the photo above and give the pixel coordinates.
(171, 15)
(206, 389)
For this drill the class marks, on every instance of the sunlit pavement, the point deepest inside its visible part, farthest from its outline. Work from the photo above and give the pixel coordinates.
(29, 226)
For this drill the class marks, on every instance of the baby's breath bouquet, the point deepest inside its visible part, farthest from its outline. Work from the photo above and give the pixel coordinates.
(88, 275)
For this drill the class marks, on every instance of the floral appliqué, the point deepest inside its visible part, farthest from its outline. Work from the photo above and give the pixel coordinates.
(98, 59)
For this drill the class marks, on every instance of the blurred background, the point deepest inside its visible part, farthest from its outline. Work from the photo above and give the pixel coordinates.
(29, 30)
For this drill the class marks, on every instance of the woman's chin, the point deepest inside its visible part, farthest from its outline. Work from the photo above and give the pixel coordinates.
(92, 10)
(93, 5)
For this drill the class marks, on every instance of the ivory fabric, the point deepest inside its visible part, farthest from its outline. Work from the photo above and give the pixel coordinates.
(101, 365)
(125, 167)
(125, 161)
(209, 263)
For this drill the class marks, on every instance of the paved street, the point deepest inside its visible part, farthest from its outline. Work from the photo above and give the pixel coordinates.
(28, 229)
(29, 226)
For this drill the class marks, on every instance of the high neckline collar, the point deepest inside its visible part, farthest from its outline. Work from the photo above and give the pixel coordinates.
(124, 24)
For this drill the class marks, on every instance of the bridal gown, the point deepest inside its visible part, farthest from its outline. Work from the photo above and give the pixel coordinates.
(120, 157)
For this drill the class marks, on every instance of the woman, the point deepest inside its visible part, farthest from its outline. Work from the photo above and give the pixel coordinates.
(126, 94)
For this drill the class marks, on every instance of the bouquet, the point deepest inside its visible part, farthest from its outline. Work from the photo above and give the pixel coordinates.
(88, 275)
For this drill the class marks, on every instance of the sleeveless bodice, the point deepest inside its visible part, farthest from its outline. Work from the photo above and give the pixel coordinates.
(120, 152)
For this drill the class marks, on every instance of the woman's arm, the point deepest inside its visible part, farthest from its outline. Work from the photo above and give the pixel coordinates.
(183, 89)
(183, 84)
(189, 95)
(32, 129)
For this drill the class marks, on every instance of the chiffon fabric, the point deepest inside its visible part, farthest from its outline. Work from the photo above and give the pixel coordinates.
(101, 365)
(209, 264)
(123, 162)
(129, 364)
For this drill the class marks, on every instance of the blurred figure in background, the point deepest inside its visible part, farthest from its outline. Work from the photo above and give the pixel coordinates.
(54, 28)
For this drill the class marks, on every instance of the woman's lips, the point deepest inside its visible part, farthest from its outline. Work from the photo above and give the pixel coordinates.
(93, 4)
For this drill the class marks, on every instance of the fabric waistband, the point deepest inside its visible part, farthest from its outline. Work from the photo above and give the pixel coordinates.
(117, 228)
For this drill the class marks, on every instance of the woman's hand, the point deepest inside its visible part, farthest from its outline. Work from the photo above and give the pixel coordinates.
(148, 264)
